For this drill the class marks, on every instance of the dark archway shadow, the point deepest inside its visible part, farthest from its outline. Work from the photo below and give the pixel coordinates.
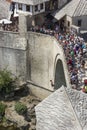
(59, 75)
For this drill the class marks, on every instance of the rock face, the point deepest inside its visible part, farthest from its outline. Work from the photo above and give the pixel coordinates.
(28, 120)
(56, 113)
(19, 120)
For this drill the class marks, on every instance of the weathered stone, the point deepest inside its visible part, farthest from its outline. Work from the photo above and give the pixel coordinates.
(33, 121)
(27, 117)
(25, 127)
(4, 9)
(19, 120)
(9, 96)
(33, 127)
(24, 122)
(79, 103)
(56, 113)
(27, 56)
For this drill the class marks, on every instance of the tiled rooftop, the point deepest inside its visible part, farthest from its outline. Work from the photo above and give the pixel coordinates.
(31, 2)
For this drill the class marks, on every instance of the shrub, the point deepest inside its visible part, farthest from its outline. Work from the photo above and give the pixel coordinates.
(6, 81)
(20, 108)
(2, 109)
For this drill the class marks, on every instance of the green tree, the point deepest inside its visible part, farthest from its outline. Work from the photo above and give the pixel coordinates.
(2, 109)
(6, 82)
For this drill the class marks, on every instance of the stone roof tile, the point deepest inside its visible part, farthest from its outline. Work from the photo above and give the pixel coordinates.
(30, 2)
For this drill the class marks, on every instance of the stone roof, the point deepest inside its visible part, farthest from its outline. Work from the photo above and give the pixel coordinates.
(81, 8)
(4, 9)
(30, 2)
(56, 112)
(73, 8)
(78, 100)
(65, 109)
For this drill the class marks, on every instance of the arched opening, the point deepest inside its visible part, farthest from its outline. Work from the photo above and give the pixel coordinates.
(59, 75)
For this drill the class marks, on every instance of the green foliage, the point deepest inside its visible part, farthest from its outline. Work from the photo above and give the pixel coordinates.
(20, 108)
(4, 119)
(2, 109)
(6, 81)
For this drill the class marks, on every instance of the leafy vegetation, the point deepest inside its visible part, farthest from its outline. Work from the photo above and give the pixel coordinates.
(6, 82)
(2, 109)
(20, 108)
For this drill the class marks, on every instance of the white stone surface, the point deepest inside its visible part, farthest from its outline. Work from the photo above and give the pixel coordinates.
(30, 2)
(4, 9)
(13, 53)
(79, 103)
(56, 113)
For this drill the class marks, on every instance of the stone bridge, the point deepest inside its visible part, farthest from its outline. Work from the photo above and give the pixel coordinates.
(36, 58)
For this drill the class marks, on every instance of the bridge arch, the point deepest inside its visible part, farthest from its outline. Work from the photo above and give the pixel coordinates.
(59, 76)
(59, 72)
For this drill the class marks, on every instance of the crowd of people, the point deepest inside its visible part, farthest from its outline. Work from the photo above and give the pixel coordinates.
(7, 27)
(74, 47)
(75, 51)
(11, 26)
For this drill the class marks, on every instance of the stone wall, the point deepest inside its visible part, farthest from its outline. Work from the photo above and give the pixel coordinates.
(83, 22)
(4, 9)
(13, 53)
(34, 57)
(44, 52)
(61, 3)
(35, 20)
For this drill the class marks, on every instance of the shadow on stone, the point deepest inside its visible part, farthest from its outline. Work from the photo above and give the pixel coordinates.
(16, 94)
